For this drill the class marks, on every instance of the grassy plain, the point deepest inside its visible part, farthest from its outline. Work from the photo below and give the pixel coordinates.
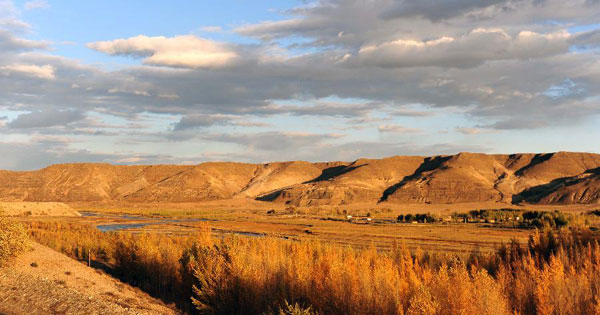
(326, 224)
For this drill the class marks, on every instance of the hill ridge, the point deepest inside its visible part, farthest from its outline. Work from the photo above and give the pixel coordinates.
(542, 178)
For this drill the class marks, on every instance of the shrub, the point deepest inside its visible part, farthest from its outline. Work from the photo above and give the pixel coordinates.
(13, 239)
(295, 309)
(556, 270)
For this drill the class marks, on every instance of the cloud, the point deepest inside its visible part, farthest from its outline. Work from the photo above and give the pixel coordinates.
(203, 120)
(589, 39)
(212, 29)
(268, 30)
(494, 65)
(43, 151)
(474, 131)
(469, 50)
(273, 140)
(438, 10)
(9, 43)
(194, 121)
(397, 129)
(186, 51)
(10, 17)
(321, 108)
(36, 4)
(410, 113)
(46, 118)
(42, 72)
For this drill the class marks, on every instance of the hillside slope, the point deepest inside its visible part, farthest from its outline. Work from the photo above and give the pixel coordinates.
(547, 178)
(60, 285)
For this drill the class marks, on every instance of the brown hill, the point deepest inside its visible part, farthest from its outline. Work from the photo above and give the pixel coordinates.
(580, 189)
(20, 208)
(552, 178)
(81, 182)
(362, 181)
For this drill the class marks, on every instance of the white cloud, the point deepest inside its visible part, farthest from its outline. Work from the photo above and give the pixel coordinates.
(475, 131)
(272, 29)
(397, 129)
(36, 4)
(212, 29)
(10, 16)
(10, 43)
(41, 72)
(185, 51)
(469, 50)
(130, 160)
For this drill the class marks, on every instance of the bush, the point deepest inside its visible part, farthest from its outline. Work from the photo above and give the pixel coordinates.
(555, 270)
(295, 309)
(13, 239)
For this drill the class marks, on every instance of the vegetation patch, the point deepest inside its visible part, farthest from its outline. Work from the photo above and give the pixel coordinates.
(558, 270)
(13, 239)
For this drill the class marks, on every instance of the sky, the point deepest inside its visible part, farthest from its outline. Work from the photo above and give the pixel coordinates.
(185, 82)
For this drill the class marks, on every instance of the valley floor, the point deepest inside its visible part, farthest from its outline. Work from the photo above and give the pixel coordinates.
(42, 281)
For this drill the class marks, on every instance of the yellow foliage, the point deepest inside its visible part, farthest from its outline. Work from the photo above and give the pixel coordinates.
(13, 239)
(552, 274)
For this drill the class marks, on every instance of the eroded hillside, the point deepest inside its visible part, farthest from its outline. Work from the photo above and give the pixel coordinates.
(550, 178)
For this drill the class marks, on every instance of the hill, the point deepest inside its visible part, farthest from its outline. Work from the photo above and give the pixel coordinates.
(547, 178)
(20, 208)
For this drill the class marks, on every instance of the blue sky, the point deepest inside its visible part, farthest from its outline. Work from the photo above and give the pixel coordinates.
(81, 22)
(255, 81)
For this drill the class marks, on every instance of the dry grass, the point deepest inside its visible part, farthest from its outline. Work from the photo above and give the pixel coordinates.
(13, 239)
(555, 271)
(59, 285)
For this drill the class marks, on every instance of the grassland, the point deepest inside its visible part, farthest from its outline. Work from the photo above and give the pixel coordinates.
(325, 225)
(556, 272)
(259, 259)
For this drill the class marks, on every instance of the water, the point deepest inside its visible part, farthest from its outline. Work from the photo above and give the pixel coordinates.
(117, 227)
(151, 221)
(136, 225)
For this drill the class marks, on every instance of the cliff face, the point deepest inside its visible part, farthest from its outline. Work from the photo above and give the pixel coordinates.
(552, 178)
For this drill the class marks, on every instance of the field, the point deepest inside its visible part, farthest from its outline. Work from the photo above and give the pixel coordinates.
(326, 225)
(257, 259)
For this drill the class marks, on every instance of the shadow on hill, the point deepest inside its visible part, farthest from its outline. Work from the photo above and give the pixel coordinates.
(326, 174)
(429, 164)
(536, 193)
(138, 282)
(594, 171)
(332, 172)
(270, 196)
(537, 159)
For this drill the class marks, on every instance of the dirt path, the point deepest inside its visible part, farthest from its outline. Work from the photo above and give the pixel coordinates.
(61, 285)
